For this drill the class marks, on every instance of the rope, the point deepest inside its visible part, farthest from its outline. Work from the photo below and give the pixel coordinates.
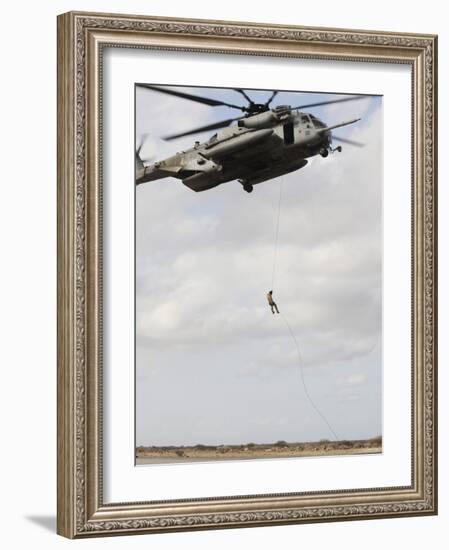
(277, 235)
(300, 361)
(306, 391)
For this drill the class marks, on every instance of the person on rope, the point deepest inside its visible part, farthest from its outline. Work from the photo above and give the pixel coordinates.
(272, 303)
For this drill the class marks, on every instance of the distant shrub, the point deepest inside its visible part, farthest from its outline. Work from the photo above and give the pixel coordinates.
(281, 443)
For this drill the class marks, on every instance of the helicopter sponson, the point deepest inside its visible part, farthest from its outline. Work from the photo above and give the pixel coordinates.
(258, 148)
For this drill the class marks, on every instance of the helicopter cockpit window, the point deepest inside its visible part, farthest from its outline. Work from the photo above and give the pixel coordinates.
(213, 138)
(305, 118)
(317, 122)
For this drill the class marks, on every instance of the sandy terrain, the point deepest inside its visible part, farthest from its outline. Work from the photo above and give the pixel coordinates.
(281, 449)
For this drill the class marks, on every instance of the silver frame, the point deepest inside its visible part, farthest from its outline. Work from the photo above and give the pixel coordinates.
(81, 39)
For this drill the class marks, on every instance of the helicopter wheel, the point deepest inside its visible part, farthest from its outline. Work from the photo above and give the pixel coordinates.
(324, 153)
(248, 188)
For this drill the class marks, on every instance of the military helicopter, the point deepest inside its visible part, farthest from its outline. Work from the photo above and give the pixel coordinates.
(264, 144)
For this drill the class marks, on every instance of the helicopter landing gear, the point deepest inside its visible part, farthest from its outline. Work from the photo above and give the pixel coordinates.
(338, 149)
(246, 185)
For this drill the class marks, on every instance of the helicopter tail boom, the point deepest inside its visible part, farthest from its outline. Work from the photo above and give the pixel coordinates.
(152, 173)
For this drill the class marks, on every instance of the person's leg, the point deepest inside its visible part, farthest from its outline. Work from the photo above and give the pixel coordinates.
(272, 309)
(276, 307)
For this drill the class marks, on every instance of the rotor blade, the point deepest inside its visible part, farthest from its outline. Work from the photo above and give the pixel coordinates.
(320, 103)
(143, 138)
(338, 125)
(273, 95)
(191, 97)
(348, 141)
(244, 94)
(213, 126)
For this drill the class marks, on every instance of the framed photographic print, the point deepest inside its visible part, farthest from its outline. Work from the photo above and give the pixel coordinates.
(246, 274)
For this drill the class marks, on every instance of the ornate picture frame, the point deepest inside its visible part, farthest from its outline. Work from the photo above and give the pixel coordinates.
(82, 509)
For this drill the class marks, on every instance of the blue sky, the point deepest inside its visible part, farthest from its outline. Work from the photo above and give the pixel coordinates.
(213, 365)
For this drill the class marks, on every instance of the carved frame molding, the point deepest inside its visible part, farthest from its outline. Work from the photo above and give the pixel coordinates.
(81, 39)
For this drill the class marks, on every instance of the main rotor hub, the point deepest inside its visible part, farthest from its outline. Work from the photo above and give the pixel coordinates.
(255, 109)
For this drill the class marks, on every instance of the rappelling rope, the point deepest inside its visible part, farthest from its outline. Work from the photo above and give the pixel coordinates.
(306, 391)
(300, 361)
(275, 253)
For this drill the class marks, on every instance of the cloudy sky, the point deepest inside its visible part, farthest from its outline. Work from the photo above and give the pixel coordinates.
(213, 365)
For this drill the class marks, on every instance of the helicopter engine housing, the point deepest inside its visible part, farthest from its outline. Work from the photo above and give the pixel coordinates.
(268, 119)
(235, 143)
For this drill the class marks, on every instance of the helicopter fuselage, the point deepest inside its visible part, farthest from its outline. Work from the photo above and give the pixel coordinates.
(258, 148)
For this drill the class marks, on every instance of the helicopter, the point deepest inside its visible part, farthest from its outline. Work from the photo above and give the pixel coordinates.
(266, 142)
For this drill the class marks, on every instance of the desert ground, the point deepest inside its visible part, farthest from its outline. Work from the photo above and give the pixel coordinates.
(249, 451)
